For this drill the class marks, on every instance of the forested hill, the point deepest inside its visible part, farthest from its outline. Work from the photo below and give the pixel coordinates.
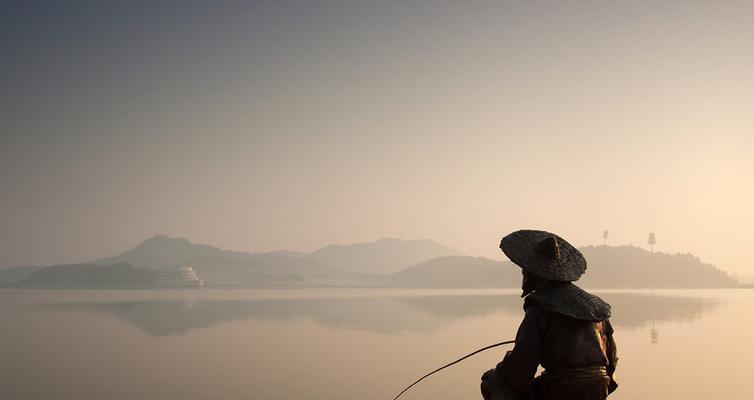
(630, 267)
(90, 276)
(607, 267)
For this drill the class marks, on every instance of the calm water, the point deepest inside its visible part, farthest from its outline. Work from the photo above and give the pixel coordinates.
(342, 343)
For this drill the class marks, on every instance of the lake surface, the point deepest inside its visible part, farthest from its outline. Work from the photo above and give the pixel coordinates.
(343, 343)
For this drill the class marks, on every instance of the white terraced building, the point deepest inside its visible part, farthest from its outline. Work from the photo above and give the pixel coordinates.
(180, 277)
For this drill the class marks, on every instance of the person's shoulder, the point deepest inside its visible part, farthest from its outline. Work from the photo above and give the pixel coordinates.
(536, 315)
(533, 308)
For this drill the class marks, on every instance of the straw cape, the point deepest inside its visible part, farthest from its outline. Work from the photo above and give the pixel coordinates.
(544, 254)
(570, 300)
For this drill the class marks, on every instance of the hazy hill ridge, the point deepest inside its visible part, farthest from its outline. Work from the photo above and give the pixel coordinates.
(12, 275)
(381, 256)
(607, 267)
(90, 276)
(224, 267)
(384, 256)
(161, 251)
(630, 266)
(386, 262)
(336, 265)
(457, 271)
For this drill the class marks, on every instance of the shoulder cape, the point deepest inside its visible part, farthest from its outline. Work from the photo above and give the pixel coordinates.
(569, 300)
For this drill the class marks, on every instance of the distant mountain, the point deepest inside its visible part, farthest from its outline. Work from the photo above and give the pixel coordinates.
(161, 252)
(229, 268)
(267, 269)
(607, 267)
(13, 275)
(634, 267)
(457, 271)
(386, 262)
(353, 264)
(289, 253)
(90, 276)
(336, 265)
(381, 257)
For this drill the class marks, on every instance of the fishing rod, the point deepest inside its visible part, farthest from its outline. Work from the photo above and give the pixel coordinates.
(454, 362)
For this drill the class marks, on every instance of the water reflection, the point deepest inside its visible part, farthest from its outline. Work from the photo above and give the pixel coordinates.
(654, 334)
(632, 310)
(384, 315)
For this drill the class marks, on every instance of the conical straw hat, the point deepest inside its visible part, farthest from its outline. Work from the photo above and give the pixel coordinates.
(544, 254)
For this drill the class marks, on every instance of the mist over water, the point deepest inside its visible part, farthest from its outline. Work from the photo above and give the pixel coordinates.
(338, 343)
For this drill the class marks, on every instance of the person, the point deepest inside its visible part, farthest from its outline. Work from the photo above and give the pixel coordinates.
(565, 329)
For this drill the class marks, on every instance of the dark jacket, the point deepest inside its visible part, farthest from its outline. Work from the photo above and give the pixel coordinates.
(567, 332)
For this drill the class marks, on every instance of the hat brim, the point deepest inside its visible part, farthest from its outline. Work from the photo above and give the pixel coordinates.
(519, 246)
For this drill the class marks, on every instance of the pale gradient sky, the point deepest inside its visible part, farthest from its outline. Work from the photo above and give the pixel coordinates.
(272, 125)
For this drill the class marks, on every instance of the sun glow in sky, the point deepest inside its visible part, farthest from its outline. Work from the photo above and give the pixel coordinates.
(272, 125)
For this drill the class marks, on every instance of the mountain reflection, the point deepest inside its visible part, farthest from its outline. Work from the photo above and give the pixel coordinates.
(384, 315)
(632, 310)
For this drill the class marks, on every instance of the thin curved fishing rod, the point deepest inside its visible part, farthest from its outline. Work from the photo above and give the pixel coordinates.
(454, 362)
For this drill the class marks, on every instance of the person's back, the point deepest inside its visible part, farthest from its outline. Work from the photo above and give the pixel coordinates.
(576, 359)
(565, 330)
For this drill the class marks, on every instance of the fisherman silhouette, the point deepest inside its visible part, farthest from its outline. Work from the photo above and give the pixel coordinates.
(565, 329)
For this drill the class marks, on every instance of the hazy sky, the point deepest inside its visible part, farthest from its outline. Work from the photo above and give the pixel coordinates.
(268, 125)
